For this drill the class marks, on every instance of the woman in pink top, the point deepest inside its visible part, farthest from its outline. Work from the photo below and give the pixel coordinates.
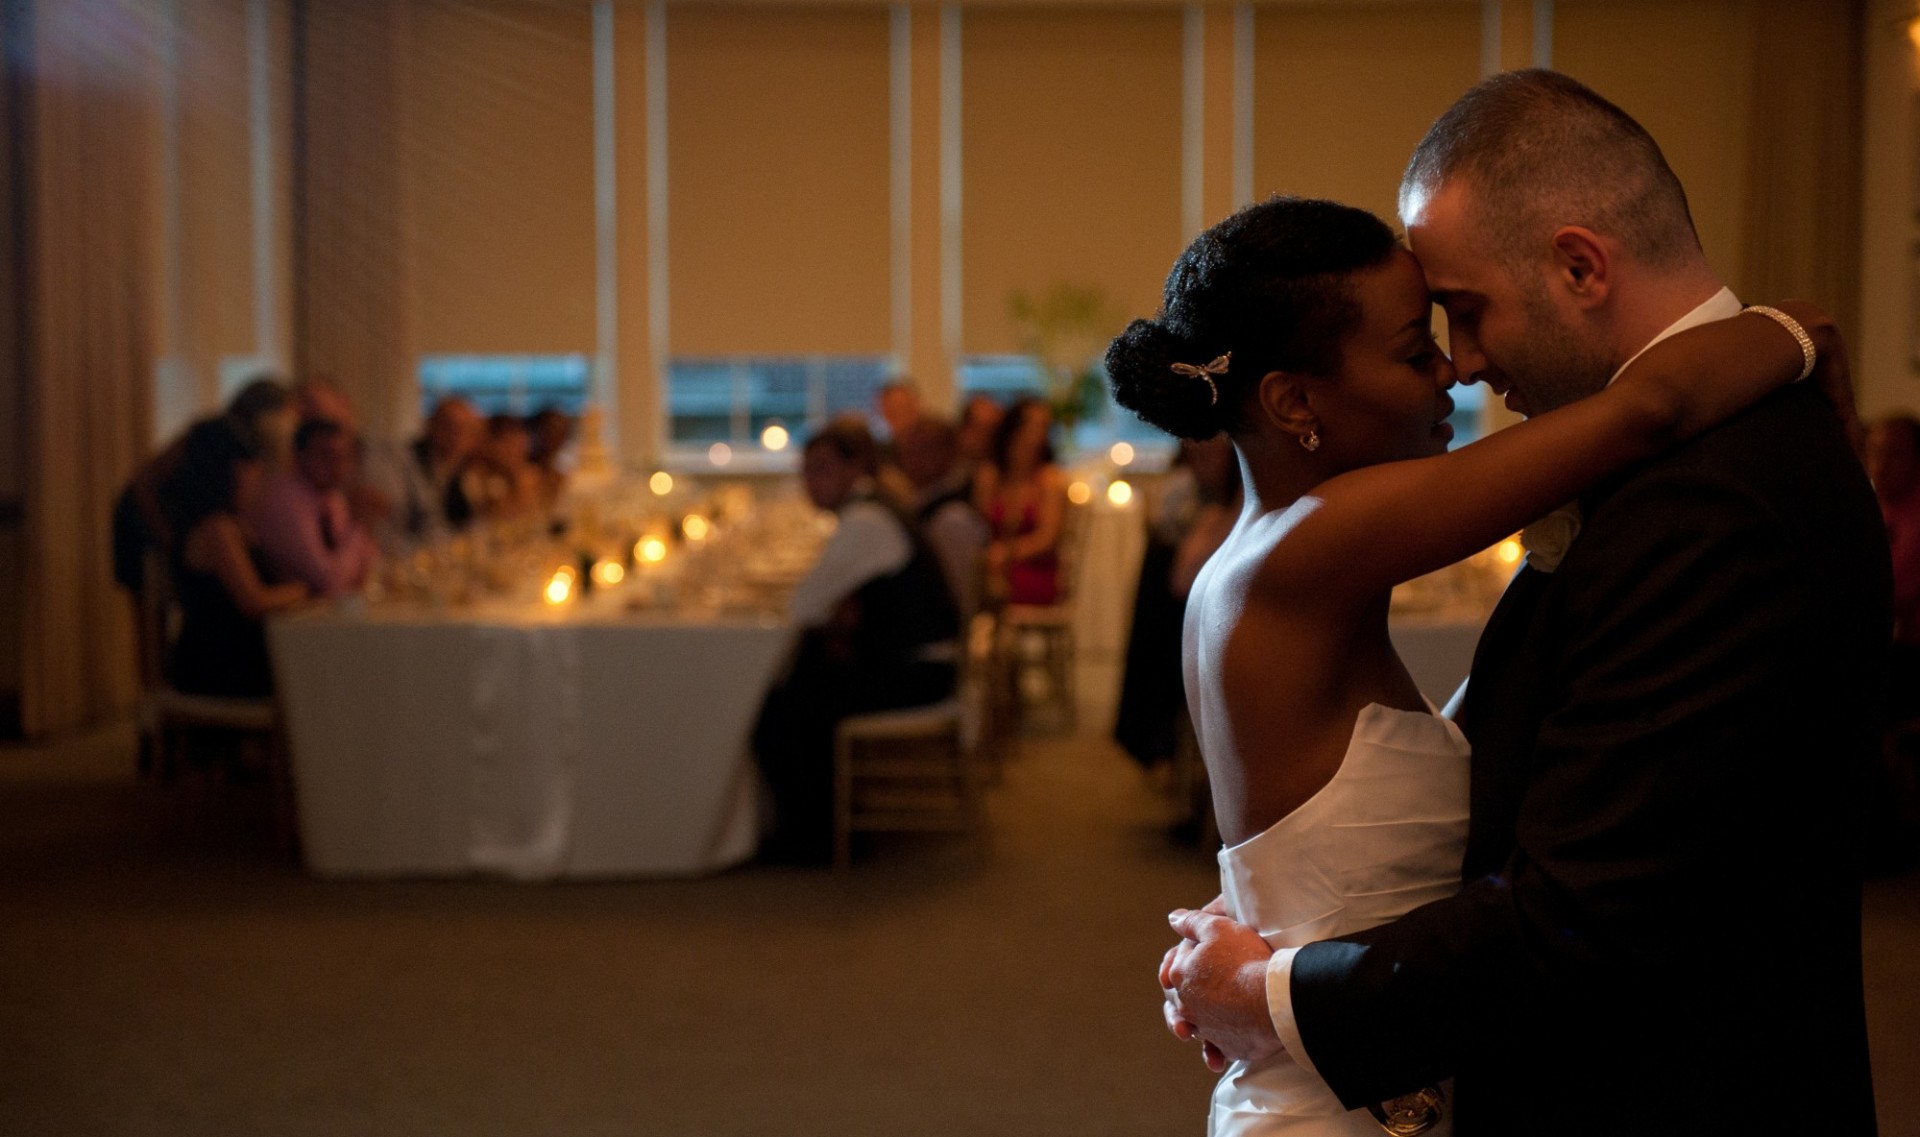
(1023, 495)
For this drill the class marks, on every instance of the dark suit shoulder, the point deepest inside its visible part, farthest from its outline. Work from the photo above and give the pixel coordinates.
(1786, 460)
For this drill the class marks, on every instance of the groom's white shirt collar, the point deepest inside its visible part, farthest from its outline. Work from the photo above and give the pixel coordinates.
(1720, 306)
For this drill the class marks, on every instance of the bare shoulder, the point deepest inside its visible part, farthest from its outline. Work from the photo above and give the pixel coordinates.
(1283, 572)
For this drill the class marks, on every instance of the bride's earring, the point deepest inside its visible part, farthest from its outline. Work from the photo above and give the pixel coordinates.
(1311, 441)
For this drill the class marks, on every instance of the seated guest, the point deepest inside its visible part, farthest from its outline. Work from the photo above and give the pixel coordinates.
(499, 482)
(261, 411)
(878, 633)
(1023, 496)
(425, 479)
(979, 423)
(548, 432)
(320, 397)
(302, 520)
(943, 506)
(220, 581)
(898, 405)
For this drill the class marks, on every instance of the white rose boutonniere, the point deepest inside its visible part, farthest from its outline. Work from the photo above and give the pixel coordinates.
(1548, 539)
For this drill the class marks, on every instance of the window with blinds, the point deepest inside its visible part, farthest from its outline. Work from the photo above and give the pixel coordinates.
(499, 153)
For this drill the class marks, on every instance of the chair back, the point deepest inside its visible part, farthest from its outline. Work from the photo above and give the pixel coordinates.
(153, 631)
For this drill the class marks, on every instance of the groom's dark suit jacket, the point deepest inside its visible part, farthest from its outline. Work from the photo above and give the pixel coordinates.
(1660, 927)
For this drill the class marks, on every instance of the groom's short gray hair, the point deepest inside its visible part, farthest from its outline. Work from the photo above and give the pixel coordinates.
(1541, 150)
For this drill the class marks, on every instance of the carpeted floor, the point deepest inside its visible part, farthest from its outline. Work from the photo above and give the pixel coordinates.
(162, 972)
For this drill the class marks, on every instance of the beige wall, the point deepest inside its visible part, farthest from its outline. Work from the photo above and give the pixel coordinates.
(1071, 135)
(778, 167)
(1343, 93)
(1684, 70)
(779, 212)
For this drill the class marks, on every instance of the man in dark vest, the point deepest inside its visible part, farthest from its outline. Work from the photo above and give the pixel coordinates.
(879, 632)
(943, 505)
(1671, 712)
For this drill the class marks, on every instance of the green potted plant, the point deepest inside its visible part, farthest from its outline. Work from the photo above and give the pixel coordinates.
(1065, 329)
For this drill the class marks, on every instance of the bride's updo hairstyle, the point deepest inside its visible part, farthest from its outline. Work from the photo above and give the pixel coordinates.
(1271, 286)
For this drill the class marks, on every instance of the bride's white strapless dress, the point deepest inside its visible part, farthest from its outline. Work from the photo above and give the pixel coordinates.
(1383, 837)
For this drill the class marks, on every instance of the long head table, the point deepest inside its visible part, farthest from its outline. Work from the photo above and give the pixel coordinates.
(528, 743)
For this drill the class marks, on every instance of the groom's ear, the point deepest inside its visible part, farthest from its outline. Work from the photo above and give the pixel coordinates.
(1283, 402)
(1583, 265)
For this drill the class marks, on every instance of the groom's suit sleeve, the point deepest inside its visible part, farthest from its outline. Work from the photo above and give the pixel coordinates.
(1684, 606)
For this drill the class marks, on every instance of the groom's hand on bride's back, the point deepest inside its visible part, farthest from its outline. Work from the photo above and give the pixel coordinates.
(1215, 982)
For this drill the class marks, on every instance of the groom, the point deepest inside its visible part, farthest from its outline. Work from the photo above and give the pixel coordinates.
(1659, 928)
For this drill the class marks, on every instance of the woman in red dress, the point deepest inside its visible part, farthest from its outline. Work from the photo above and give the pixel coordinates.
(1023, 495)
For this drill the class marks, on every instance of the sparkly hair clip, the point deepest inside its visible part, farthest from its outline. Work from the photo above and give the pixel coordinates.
(1206, 371)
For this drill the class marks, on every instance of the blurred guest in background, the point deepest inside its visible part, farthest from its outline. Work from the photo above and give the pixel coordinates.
(879, 633)
(1203, 527)
(1023, 496)
(1893, 462)
(262, 412)
(549, 430)
(427, 480)
(1190, 518)
(943, 505)
(370, 495)
(320, 397)
(898, 405)
(220, 575)
(1893, 812)
(979, 423)
(499, 482)
(302, 520)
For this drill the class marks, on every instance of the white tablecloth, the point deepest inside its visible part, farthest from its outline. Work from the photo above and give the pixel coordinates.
(531, 744)
(1115, 540)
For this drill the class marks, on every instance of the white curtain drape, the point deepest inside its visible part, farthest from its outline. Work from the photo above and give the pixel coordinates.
(84, 221)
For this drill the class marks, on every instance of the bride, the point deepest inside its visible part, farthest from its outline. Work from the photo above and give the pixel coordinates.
(1302, 329)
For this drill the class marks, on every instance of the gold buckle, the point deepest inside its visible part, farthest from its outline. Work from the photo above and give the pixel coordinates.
(1411, 1114)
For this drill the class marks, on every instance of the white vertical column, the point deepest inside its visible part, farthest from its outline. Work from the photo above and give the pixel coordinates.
(1193, 123)
(176, 396)
(657, 310)
(950, 156)
(1490, 28)
(267, 347)
(1243, 58)
(900, 154)
(1543, 33)
(606, 207)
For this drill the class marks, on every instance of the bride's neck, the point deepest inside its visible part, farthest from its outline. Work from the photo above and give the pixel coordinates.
(1274, 478)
